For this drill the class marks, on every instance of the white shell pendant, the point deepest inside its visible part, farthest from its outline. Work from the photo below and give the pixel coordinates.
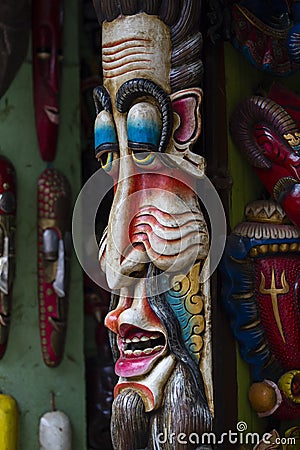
(55, 431)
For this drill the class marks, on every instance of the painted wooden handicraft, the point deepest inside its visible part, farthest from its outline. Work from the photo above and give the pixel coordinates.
(262, 261)
(265, 32)
(54, 244)
(267, 131)
(261, 293)
(147, 121)
(7, 246)
(47, 58)
(54, 193)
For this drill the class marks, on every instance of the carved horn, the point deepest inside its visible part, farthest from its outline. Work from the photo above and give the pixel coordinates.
(253, 111)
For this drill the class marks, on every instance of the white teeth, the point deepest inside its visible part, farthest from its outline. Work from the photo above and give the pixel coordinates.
(158, 348)
(147, 351)
(142, 339)
(154, 337)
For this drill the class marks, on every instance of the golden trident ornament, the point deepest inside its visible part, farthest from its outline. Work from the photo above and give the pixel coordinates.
(273, 291)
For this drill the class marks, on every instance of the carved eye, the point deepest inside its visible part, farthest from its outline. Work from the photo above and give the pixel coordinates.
(106, 144)
(44, 49)
(144, 127)
(143, 158)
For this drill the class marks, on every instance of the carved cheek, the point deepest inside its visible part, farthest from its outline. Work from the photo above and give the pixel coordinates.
(150, 315)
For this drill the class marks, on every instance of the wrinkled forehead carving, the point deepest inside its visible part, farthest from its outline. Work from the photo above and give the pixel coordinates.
(136, 47)
(180, 17)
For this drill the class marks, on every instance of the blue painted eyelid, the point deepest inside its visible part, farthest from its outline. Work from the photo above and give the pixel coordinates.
(105, 135)
(143, 131)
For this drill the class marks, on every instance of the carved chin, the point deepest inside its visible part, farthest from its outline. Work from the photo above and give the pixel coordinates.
(139, 351)
(151, 386)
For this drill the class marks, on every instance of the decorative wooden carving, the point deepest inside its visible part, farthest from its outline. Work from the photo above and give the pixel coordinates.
(267, 33)
(261, 270)
(156, 242)
(266, 130)
(262, 34)
(7, 246)
(46, 58)
(54, 248)
(54, 192)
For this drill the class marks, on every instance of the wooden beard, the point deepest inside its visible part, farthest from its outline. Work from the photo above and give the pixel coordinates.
(156, 241)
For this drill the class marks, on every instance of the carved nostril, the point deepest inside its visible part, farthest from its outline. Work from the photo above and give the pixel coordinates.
(135, 275)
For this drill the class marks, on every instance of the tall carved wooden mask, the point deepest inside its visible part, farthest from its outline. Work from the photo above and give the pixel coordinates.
(156, 243)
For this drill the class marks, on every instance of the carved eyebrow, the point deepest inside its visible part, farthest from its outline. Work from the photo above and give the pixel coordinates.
(102, 99)
(138, 87)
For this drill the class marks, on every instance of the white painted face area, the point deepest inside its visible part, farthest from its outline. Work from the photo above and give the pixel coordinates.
(136, 47)
(142, 339)
(145, 363)
(171, 233)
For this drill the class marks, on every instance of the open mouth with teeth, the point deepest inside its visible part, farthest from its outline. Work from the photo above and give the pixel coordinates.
(139, 350)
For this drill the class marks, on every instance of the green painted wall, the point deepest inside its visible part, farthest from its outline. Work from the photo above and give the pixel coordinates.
(22, 371)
